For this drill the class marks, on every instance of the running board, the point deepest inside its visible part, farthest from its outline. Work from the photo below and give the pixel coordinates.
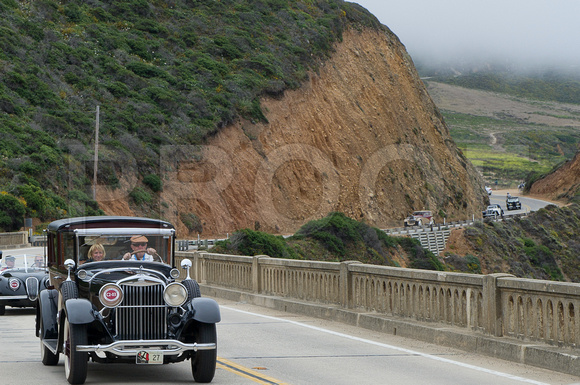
(51, 345)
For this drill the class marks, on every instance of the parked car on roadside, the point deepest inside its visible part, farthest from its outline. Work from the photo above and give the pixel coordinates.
(22, 276)
(114, 298)
(488, 190)
(513, 203)
(493, 210)
(419, 218)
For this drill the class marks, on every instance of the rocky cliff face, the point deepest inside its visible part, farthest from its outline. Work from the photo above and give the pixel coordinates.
(361, 136)
(562, 184)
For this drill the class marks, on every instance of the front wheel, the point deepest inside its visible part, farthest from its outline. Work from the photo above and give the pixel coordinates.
(75, 363)
(2, 309)
(204, 361)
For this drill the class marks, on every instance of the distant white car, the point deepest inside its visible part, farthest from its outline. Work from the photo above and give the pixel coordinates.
(493, 210)
(488, 189)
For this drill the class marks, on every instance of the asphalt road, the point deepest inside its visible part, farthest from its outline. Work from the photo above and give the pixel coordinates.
(264, 346)
(528, 204)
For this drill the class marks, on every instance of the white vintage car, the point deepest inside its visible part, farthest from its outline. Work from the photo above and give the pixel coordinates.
(419, 218)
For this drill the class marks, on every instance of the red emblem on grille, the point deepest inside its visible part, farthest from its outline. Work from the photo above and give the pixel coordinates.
(14, 284)
(111, 294)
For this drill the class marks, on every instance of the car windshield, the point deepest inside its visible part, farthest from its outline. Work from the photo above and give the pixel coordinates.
(22, 262)
(111, 247)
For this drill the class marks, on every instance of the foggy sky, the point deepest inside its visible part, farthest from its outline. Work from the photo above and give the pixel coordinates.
(522, 31)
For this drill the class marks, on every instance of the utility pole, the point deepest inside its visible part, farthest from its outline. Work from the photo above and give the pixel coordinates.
(96, 156)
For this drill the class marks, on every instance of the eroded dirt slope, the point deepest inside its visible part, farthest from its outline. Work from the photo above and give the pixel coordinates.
(362, 136)
(562, 184)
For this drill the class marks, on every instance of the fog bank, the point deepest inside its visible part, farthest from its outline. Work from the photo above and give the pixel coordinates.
(527, 33)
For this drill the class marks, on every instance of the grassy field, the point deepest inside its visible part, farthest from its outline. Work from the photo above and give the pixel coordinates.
(508, 138)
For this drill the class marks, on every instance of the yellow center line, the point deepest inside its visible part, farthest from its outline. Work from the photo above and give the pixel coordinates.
(242, 371)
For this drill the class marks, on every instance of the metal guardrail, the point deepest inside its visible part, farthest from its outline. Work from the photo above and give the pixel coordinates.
(434, 237)
(185, 245)
(37, 240)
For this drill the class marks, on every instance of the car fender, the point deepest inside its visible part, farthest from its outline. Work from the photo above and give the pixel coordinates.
(79, 311)
(47, 310)
(206, 310)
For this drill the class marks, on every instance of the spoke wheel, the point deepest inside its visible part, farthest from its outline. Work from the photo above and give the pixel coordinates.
(75, 363)
(204, 361)
(47, 356)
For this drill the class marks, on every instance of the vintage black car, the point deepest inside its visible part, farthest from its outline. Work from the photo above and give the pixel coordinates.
(114, 297)
(22, 276)
(513, 203)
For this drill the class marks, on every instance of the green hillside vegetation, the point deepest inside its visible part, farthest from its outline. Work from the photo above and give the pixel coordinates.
(542, 245)
(542, 86)
(524, 149)
(548, 83)
(335, 238)
(162, 72)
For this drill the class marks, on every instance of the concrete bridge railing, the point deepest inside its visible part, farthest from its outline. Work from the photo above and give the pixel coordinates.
(13, 240)
(497, 304)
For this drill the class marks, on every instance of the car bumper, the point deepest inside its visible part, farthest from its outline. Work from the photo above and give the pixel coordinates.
(12, 297)
(16, 301)
(132, 347)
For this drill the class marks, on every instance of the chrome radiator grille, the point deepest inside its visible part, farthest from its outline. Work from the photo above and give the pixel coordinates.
(142, 314)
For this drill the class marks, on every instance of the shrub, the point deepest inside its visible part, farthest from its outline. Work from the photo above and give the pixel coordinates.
(12, 211)
(118, 89)
(333, 232)
(140, 196)
(192, 222)
(36, 202)
(153, 182)
(147, 70)
(249, 242)
(419, 257)
(473, 264)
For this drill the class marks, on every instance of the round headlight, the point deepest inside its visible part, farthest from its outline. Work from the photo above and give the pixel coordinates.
(82, 274)
(111, 295)
(174, 273)
(175, 294)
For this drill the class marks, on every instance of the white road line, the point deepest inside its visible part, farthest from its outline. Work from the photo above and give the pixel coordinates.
(408, 351)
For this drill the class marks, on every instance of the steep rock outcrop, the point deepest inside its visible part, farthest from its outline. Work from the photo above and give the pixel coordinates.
(361, 136)
(561, 184)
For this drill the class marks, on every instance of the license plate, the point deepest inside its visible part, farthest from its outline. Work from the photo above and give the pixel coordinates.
(149, 357)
